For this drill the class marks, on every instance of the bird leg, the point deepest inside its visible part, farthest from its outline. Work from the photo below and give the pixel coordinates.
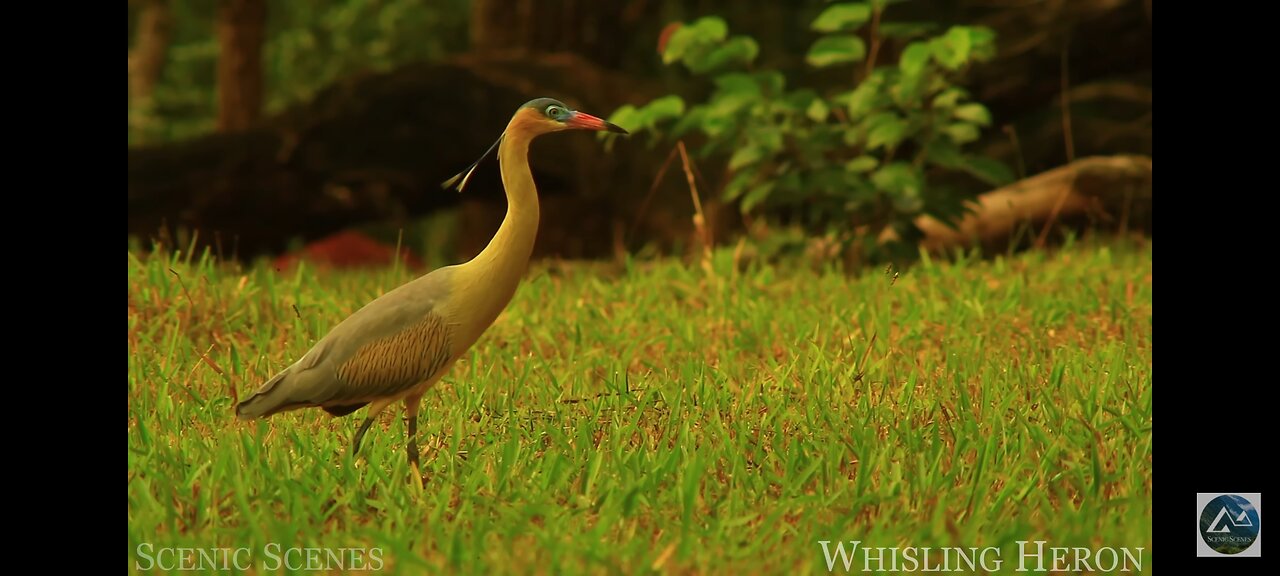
(355, 444)
(411, 405)
(375, 409)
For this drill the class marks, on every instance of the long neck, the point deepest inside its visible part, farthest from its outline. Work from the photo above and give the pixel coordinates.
(508, 252)
(490, 279)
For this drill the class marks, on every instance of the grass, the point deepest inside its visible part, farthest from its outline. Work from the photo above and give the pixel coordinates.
(652, 417)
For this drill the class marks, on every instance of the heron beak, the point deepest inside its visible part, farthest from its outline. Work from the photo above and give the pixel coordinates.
(584, 121)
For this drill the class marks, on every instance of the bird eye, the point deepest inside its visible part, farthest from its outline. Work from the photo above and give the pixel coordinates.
(554, 111)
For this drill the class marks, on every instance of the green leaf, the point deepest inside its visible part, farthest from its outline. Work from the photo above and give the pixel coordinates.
(949, 97)
(758, 194)
(945, 154)
(832, 50)
(961, 132)
(771, 82)
(679, 44)
(799, 100)
(734, 92)
(896, 177)
(710, 29)
(744, 156)
(738, 184)
(626, 116)
(693, 39)
(886, 130)
(739, 50)
(989, 170)
(842, 98)
(861, 164)
(814, 144)
(768, 139)
(953, 48)
(914, 58)
(737, 82)
(866, 98)
(842, 17)
(975, 113)
(983, 40)
(690, 120)
(874, 120)
(818, 110)
(660, 110)
(909, 91)
(853, 135)
(716, 126)
(695, 59)
(902, 182)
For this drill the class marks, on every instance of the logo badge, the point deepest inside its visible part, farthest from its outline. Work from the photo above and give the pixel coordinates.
(1230, 525)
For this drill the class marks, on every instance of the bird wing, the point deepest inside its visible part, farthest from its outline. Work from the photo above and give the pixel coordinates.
(396, 362)
(393, 343)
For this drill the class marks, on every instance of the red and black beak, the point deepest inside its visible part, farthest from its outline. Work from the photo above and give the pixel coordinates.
(584, 121)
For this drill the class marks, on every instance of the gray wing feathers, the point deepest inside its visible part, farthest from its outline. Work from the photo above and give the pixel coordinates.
(394, 363)
(262, 403)
(386, 347)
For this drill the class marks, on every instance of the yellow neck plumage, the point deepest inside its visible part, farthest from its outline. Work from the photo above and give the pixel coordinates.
(484, 286)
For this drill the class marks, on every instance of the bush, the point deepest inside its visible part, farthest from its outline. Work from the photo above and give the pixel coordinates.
(856, 162)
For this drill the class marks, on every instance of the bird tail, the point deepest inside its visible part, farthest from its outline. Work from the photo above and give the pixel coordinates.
(273, 396)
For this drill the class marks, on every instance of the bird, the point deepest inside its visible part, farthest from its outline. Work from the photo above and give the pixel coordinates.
(397, 346)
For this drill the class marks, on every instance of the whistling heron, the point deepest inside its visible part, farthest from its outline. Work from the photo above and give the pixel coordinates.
(397, 346)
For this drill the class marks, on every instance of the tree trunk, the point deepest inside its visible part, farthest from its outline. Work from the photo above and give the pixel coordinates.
(240, 28)
(146, 60)
(146, 63)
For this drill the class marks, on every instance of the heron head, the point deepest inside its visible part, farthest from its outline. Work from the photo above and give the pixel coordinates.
(538, 116)
(544, 115)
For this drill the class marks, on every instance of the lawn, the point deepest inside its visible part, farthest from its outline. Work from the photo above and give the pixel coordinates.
(653, 416)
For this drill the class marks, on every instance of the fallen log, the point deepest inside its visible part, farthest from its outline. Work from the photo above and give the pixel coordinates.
(1111, 191)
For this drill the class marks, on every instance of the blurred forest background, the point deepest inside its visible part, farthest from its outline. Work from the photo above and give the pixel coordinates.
(325, 127)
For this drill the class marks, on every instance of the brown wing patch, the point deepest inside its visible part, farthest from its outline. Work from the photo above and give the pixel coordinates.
(395, 363)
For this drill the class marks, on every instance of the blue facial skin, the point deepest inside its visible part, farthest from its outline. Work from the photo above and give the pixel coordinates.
(551, 108)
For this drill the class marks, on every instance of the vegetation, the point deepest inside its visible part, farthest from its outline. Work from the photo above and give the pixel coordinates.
(650, 416)
(846, 119)
(306, 46)
(859, 160)
(646, 415)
